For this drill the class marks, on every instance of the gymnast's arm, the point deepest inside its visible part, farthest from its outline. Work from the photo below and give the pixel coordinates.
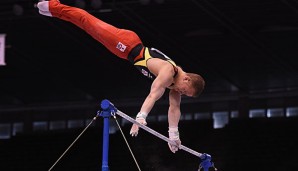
(158, 87)
(156, 91)
(173, 119)
(174, 108)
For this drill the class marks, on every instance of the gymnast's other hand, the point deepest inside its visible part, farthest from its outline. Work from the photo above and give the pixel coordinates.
(140, 118)
(175, 140)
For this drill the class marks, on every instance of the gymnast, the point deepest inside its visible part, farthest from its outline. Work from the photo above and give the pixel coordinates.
(152, 63)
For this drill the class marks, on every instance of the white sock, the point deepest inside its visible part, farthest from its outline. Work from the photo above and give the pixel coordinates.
(44, 7)
(45, 13)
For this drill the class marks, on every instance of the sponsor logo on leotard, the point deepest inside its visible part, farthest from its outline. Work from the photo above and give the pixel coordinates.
(146, 73)
(121, 46)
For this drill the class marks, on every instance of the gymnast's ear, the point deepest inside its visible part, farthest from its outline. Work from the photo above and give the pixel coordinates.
(186, 78)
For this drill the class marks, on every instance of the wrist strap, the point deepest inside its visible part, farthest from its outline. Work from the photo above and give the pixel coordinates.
(173, 129)
(173, 133)
(142, 115)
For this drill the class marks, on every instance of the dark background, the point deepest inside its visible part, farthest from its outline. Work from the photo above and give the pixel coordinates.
(245, 49)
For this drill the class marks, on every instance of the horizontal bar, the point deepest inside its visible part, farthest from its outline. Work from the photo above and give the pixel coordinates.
(157, 134)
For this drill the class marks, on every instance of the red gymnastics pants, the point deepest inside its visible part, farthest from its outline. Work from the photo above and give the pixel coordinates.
(118, 41)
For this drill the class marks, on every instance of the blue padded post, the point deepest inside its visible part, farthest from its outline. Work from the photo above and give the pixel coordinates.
(206, 162)
(107, 110)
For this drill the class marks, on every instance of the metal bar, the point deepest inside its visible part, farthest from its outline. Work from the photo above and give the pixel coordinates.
(182, 147)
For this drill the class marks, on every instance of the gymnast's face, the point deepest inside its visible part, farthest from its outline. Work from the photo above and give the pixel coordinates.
(185, 88)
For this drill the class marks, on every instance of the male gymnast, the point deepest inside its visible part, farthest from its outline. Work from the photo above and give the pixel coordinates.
(152, 63)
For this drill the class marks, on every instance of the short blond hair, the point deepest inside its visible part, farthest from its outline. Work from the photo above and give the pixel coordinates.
(197, 82)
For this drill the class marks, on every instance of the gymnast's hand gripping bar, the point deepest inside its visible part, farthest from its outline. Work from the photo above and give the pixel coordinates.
(206, 158)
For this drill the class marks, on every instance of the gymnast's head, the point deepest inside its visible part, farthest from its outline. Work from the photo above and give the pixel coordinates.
(190, 84)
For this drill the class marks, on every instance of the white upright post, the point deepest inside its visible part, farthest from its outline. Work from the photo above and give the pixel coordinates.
(2, 49)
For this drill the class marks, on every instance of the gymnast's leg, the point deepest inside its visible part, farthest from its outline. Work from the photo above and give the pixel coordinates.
(118, 41)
